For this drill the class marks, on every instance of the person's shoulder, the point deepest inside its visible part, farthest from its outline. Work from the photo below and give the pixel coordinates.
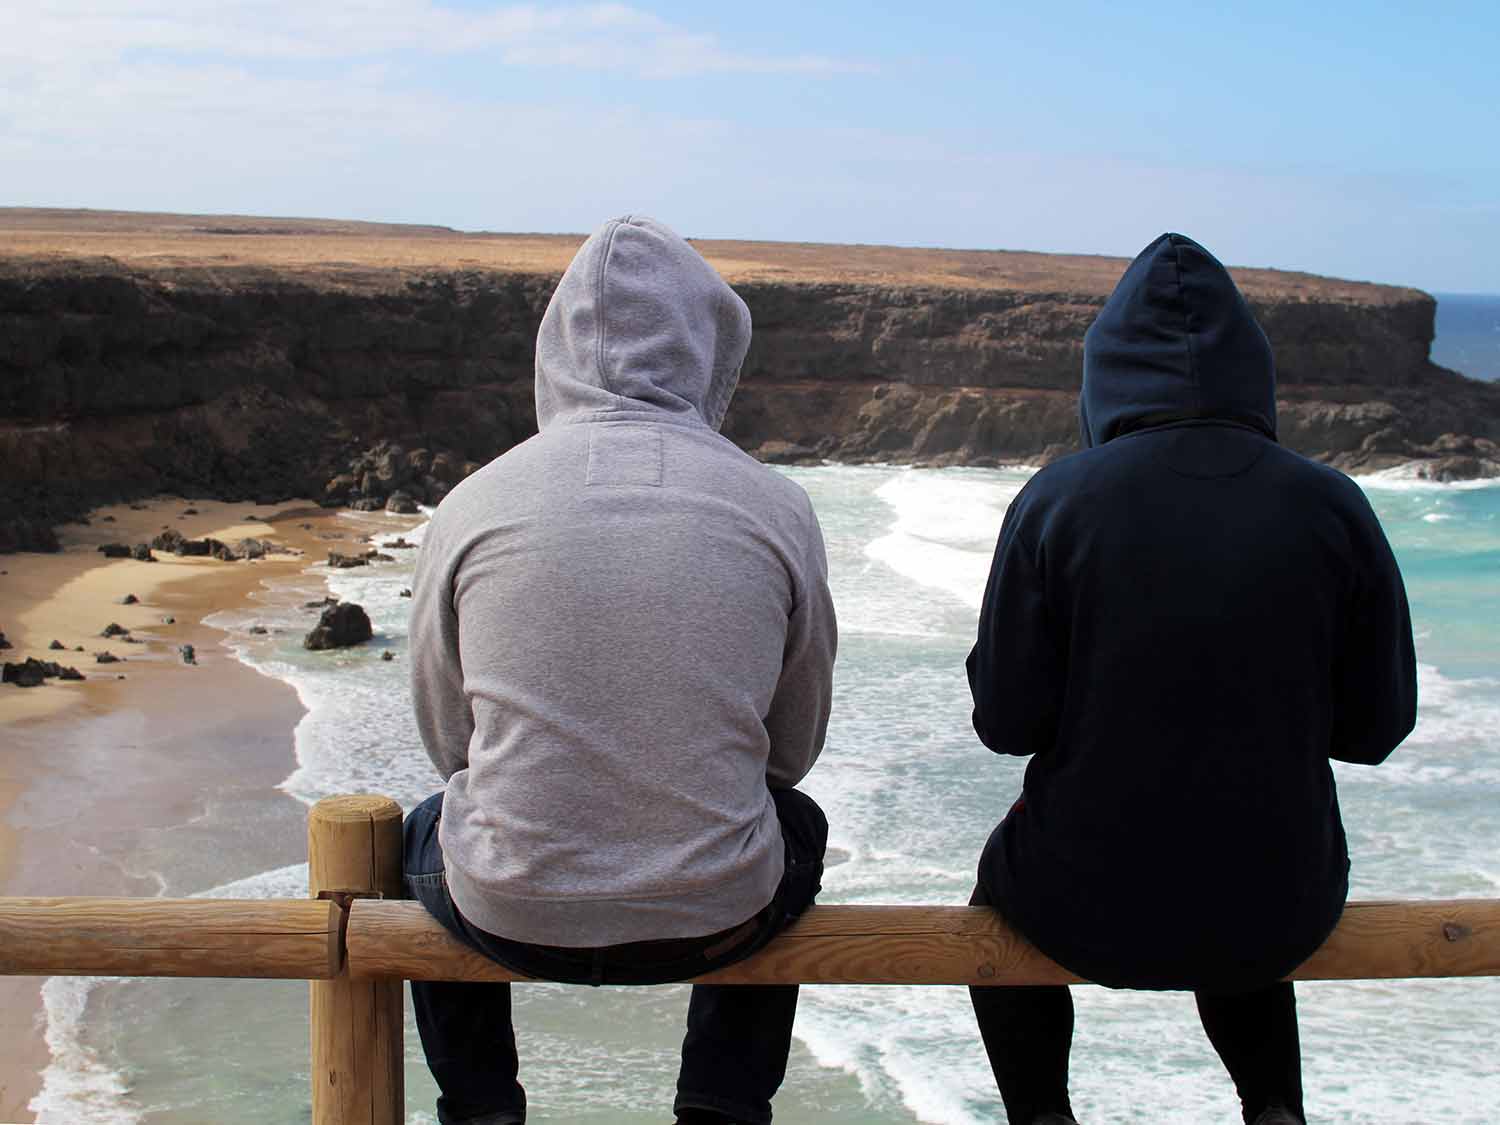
(1067, 477)
(1317, 479)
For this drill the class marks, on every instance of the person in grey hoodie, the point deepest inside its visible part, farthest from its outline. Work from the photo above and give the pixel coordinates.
(622, 650)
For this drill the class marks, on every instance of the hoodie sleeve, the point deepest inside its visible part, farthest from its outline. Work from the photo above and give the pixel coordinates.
(437, 680)
(1375, 684)
(1016, 668)
(798, 718)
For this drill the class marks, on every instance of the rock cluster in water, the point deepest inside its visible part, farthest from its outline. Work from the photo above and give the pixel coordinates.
(340, 625)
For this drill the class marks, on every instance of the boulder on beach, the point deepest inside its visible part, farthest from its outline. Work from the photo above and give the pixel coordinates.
(114, 629)
(401, 504)
(115, 550)
(340, 626)
(26, 674)
(106, 658)
(3, 642)
(189, 656)
(169, 540)
(142, 553)
(33, 672)
(128, 599)
(344, 562)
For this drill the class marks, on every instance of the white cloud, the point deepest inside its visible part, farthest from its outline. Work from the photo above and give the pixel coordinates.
(169, 106)
(592, 36)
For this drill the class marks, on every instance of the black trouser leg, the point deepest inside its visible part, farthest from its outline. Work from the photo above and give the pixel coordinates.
(738, 1036)
(1028, 1035)
(466, 1028)
(735, 1051)
(470, 1046)
(1255, 1034)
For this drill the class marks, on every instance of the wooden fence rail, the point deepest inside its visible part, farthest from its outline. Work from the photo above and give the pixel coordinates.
(356, 944)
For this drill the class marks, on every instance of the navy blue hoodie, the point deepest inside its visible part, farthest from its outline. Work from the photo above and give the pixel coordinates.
(1183, 624)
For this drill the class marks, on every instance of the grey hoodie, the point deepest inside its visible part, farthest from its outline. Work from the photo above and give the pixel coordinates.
(621, 629)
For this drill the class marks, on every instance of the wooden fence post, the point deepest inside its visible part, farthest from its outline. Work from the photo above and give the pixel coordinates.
(354, 851)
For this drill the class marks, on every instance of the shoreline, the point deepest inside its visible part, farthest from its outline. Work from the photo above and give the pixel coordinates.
(133, 757)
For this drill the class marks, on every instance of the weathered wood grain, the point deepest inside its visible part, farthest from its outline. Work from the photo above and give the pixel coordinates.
(153, 937)
(354, 848)
(958, 945)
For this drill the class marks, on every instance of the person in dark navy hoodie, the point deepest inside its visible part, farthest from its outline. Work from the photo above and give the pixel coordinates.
(1182, 625)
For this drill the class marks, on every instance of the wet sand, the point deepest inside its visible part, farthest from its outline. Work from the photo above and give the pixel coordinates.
(93, 773)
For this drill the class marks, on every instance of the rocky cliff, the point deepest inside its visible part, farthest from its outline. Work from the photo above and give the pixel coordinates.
(141, 354)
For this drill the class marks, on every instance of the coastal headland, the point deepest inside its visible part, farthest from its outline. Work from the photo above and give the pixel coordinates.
(257, 359)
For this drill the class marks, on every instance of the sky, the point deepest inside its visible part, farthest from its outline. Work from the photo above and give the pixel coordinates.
(1351, 139)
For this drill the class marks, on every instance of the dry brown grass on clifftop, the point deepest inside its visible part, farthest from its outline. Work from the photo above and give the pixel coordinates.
(366, 255)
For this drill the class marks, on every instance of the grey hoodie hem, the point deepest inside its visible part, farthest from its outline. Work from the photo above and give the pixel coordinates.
(587, 923)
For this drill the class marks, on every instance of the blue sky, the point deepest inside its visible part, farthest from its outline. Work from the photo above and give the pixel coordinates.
(1347, 139)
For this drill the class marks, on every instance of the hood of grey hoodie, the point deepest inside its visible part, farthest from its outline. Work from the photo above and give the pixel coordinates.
(639, 324)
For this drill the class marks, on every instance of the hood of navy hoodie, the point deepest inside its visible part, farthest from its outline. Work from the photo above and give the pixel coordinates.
(1175, 340)
(639, 325)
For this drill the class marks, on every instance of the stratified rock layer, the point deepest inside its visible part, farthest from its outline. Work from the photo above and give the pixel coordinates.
(142, 354)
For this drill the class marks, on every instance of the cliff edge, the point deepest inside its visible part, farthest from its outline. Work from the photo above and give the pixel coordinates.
(254, 358)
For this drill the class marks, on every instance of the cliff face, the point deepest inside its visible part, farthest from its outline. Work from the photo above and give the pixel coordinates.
(255, 381)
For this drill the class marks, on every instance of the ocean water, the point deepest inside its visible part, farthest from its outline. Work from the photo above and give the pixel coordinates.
(911, 796)
(1468, 334)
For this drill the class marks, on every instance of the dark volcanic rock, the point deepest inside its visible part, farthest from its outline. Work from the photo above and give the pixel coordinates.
(344, 562)
(115, 550)
(33, 672)
(340, 626)
(250, 383)
(401, 504)
(169, 540)
(188, 655)
(128, 599)
(142, 553)
(4, 643)
(55, 646)
(106, 658)
(25, 533)
(26, 674)
(115, 630)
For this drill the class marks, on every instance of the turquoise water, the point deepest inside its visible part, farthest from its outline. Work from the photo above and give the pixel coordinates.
(910, 796)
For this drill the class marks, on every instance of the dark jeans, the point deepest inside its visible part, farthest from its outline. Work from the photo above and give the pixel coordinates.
(1028, 1035)
(735, 1051)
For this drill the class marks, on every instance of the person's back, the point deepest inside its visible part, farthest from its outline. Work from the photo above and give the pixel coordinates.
(1184, 623)
(623, 643)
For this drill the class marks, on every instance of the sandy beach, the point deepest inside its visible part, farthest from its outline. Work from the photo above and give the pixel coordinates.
(90, 770)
